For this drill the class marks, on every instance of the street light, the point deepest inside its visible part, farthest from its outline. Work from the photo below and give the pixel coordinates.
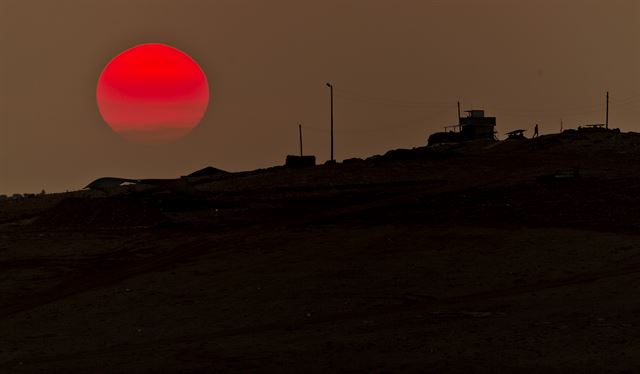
(331, 92)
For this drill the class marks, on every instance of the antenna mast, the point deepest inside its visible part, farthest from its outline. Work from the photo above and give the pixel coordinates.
(459, 122)
(331, 93)
(607, 115)
(300, 130)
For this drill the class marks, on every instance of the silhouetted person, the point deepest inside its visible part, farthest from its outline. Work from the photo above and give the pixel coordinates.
(535, 131)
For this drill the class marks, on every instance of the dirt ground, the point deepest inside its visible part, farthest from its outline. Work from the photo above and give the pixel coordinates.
(518, 256)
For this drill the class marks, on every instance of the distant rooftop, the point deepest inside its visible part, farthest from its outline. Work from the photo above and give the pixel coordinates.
(475, 113)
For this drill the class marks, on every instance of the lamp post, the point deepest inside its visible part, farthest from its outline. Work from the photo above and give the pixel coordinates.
(331, 92)
(300, 131)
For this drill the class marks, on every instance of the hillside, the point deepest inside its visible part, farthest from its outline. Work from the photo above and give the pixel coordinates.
(516, 256)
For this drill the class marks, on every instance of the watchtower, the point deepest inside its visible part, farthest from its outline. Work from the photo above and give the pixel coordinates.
(476, 126)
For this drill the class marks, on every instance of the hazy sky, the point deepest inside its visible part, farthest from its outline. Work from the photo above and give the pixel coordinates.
(398, 68)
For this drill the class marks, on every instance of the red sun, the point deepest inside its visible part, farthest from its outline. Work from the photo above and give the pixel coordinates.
(152, 94)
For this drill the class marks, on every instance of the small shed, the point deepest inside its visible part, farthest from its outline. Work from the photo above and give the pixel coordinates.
(300, 161)
(476, 126)
(516, 134)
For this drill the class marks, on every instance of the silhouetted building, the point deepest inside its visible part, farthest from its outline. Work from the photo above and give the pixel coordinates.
(516, 134)
(300, 161)
(209, 171)
(109, 185)
(474, 126)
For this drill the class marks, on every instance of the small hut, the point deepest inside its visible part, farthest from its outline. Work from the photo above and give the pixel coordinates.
(474, 126)
(300, 161)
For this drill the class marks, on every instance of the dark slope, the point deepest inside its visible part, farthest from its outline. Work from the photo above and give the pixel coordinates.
(518, 256)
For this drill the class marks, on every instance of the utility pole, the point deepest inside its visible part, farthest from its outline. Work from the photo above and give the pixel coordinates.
(607, 115)
(331, 92)
(459, 122)
(300, 130)
(561, 125)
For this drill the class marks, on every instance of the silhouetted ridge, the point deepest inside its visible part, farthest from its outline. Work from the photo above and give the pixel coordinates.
(209, 171)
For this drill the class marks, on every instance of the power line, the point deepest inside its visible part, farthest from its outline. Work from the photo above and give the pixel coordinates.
(379, 128)
(629, 100)
(390, 100)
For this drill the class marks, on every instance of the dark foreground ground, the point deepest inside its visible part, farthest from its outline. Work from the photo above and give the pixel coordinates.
(520, 256)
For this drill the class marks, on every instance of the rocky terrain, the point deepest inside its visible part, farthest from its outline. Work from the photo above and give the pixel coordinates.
(515, 256)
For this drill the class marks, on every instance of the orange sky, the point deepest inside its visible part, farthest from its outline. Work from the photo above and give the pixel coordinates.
(398, 68)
